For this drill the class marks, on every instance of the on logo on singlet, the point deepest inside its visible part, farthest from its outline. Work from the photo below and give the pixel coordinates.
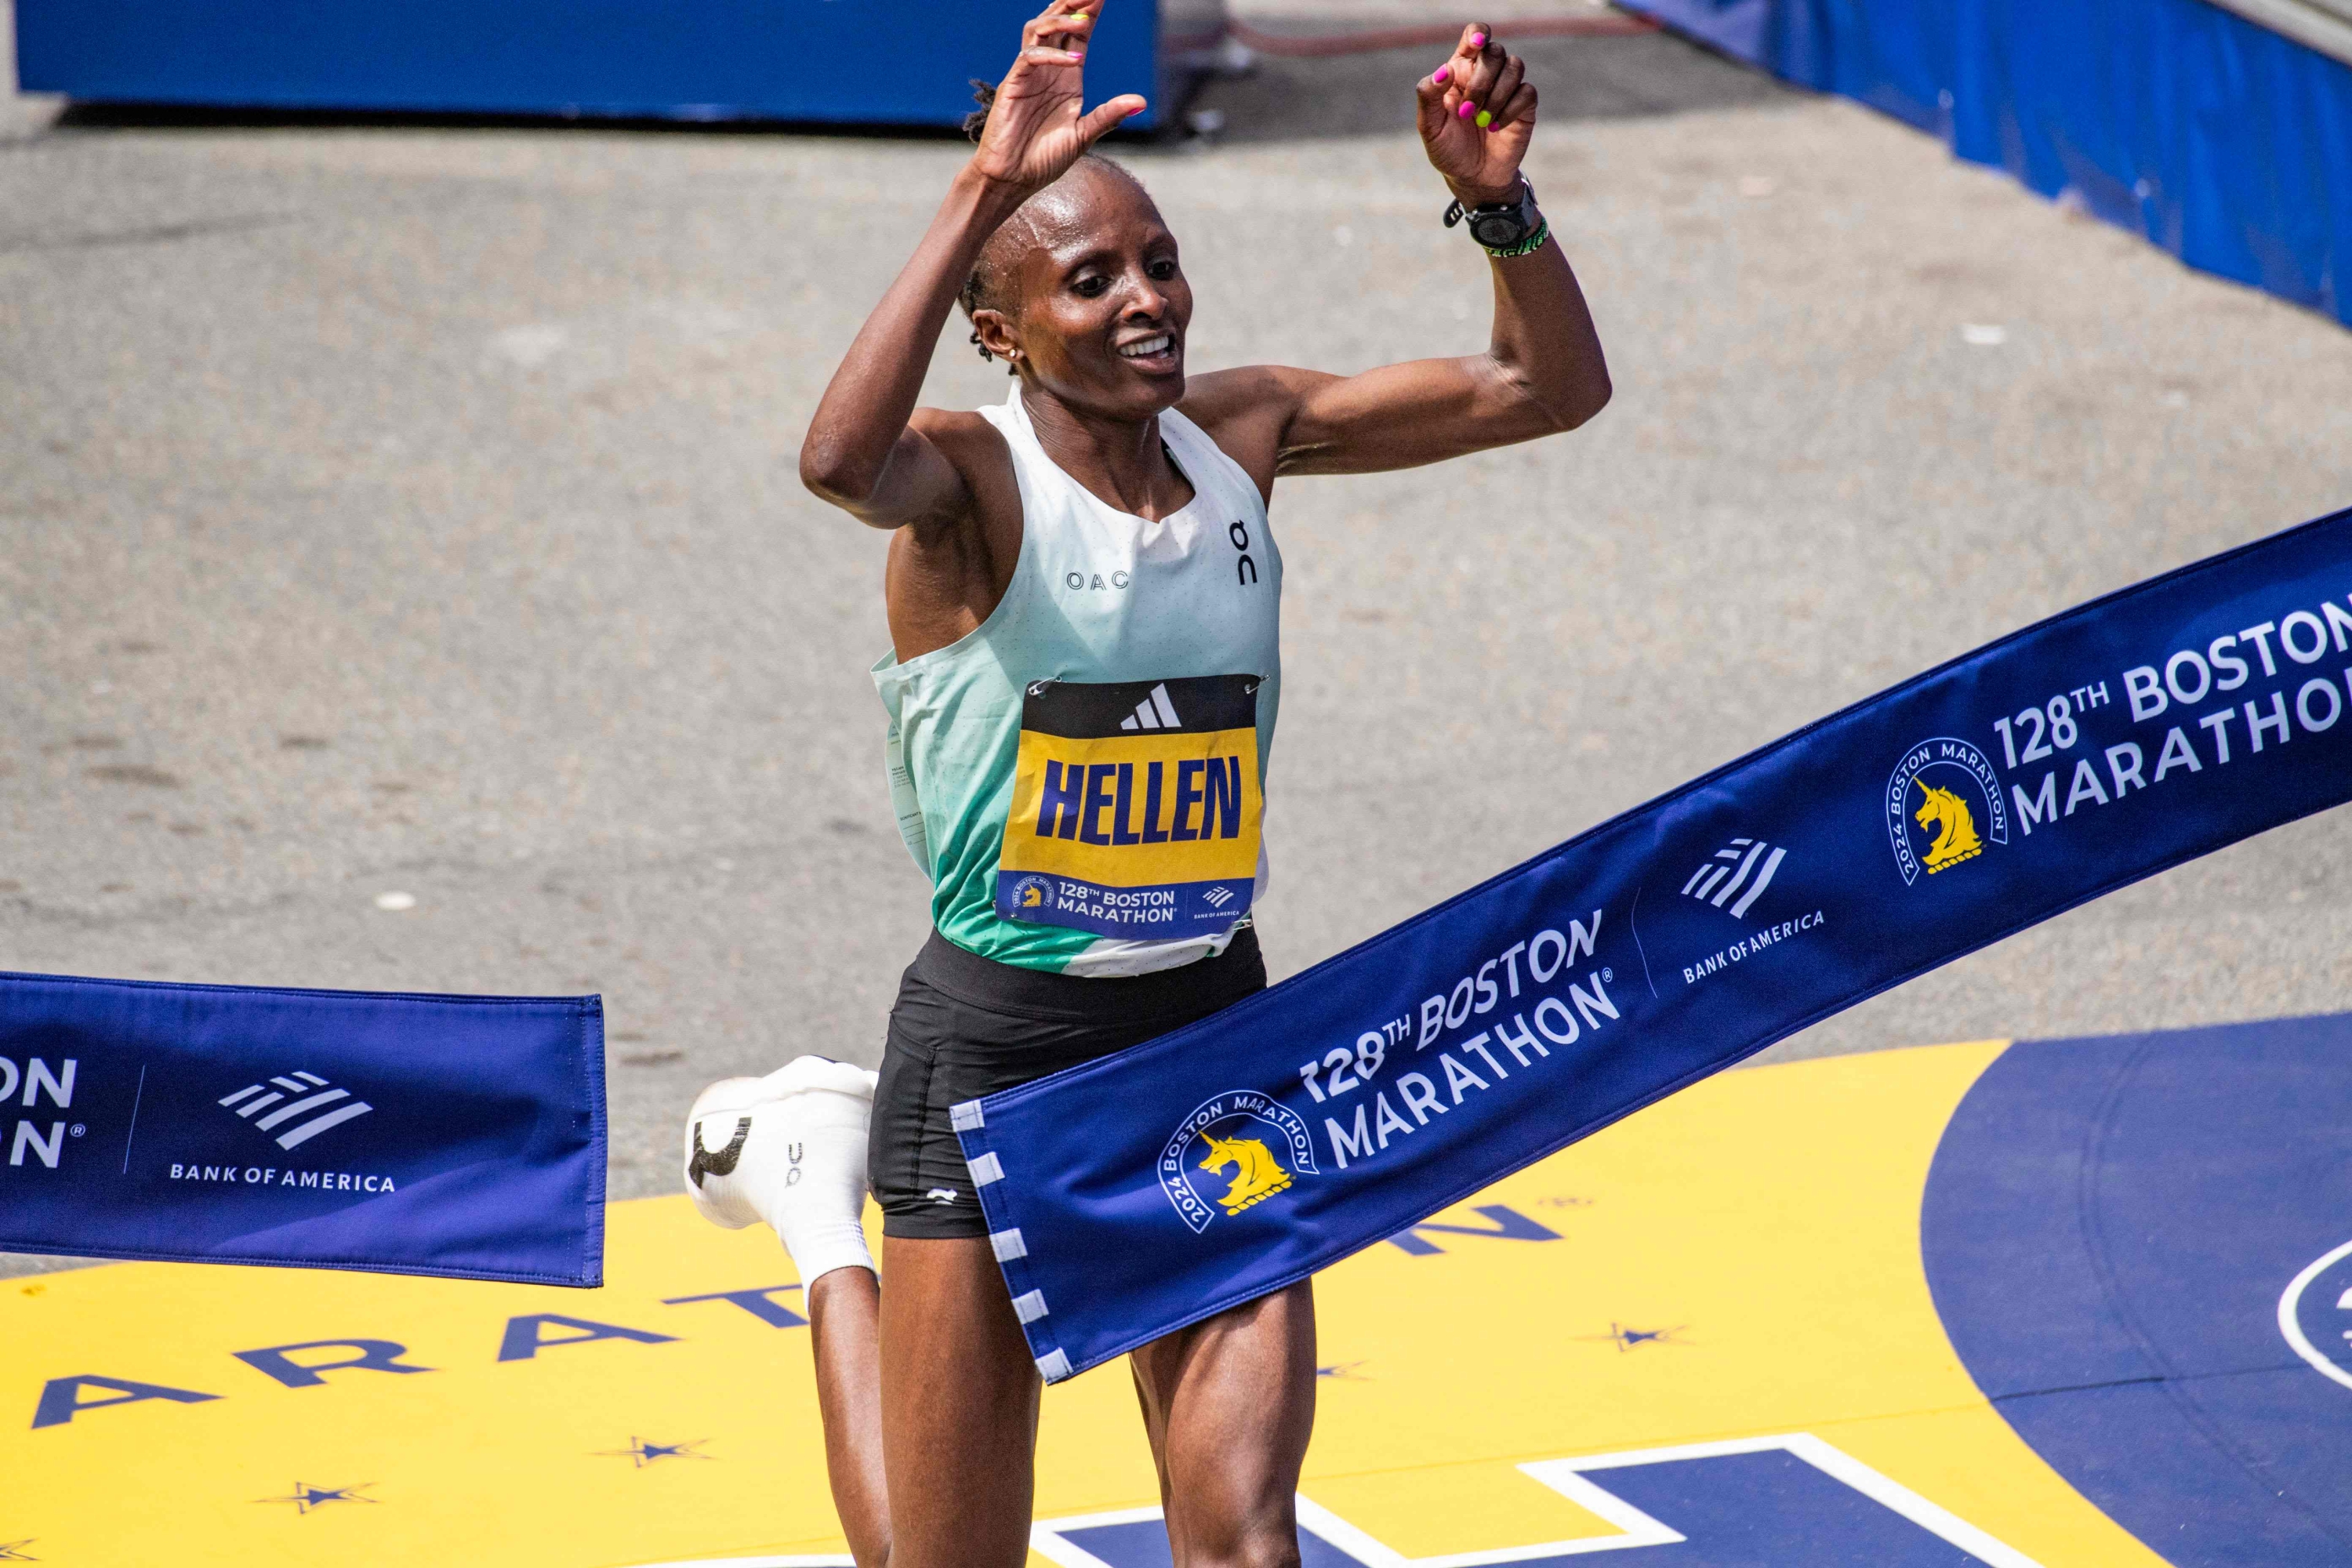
(1135, 806)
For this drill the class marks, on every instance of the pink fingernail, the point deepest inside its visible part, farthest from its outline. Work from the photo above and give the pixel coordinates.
(1443, 75)
(1468, 110)
(1477, 40)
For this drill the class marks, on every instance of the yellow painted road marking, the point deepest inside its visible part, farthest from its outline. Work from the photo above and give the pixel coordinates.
(1741, 1260)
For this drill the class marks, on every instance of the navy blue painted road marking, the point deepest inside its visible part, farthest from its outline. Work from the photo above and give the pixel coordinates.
(1759, 1502)
(1504, 1223)
(2125, 1237)
(306, 1498)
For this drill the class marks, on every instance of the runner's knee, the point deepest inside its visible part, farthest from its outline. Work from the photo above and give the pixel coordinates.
(1269, 1545)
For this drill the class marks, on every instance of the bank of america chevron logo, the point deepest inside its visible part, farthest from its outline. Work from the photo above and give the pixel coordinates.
(1744, 863)
(1217, 898)
(314, 1107)
(1154, 712)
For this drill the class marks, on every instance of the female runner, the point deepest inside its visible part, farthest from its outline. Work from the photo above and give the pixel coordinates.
(1082, 595)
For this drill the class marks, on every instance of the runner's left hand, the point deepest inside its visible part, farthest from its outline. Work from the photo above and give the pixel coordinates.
(1481, 164)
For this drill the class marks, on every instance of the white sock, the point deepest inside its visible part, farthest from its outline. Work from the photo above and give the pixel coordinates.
(789, 1149)
(812, 1188)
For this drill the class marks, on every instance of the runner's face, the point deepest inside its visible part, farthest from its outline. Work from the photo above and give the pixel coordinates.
(1104, 304)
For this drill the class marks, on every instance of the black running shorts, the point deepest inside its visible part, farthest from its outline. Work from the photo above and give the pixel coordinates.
(965, 1027)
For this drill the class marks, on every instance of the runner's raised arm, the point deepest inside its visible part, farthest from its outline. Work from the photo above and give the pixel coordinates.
(1543, 371)
(861, 452)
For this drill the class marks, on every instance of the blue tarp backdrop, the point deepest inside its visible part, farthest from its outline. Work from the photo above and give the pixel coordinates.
(2226, 143)
(2218, 139)
(453, 1135)
(1136, 1194)
(683, 60)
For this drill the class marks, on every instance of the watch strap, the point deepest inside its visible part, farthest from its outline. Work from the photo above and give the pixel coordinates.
(1524, 207)
(1527, 246)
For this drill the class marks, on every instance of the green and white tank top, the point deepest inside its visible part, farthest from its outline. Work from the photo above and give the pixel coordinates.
(1082, 777)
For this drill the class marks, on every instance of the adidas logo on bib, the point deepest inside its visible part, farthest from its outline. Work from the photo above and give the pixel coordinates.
(1154, 712)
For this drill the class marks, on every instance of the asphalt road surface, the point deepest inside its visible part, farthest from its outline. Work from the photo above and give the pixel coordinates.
(398, 508)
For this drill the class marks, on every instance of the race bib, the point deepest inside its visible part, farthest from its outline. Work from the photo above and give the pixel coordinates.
(1135, 808)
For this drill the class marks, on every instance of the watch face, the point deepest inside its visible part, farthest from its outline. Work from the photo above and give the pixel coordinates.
(1493, 229)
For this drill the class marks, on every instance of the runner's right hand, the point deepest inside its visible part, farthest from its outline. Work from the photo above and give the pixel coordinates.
(1036, 130)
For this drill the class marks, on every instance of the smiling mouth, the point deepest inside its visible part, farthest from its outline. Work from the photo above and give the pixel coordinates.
(1159, 345)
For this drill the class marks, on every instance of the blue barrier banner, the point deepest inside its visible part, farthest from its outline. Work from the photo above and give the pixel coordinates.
(452, 1135)
(694, 60)
(2224, 142)
(1152, 1188)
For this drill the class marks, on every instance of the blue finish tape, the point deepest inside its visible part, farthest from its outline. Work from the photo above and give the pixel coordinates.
(1158, 1186)
(450, 1135)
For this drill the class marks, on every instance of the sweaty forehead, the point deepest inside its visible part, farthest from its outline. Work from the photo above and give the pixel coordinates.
(1089, 209)
(1089, 199)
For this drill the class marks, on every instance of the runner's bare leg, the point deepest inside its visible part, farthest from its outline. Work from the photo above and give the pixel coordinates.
(930, 1403)
(845, 1308)
(1229, 1404)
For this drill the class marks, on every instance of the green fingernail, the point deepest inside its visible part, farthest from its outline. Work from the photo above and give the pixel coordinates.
(1485, 119)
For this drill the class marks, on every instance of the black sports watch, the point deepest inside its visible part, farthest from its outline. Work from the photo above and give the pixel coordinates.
(1501, 227)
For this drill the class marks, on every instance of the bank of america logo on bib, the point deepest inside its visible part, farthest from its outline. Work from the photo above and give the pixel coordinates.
(308, 1103)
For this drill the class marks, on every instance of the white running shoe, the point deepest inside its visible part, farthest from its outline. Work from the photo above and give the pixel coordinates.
(788, 1149)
